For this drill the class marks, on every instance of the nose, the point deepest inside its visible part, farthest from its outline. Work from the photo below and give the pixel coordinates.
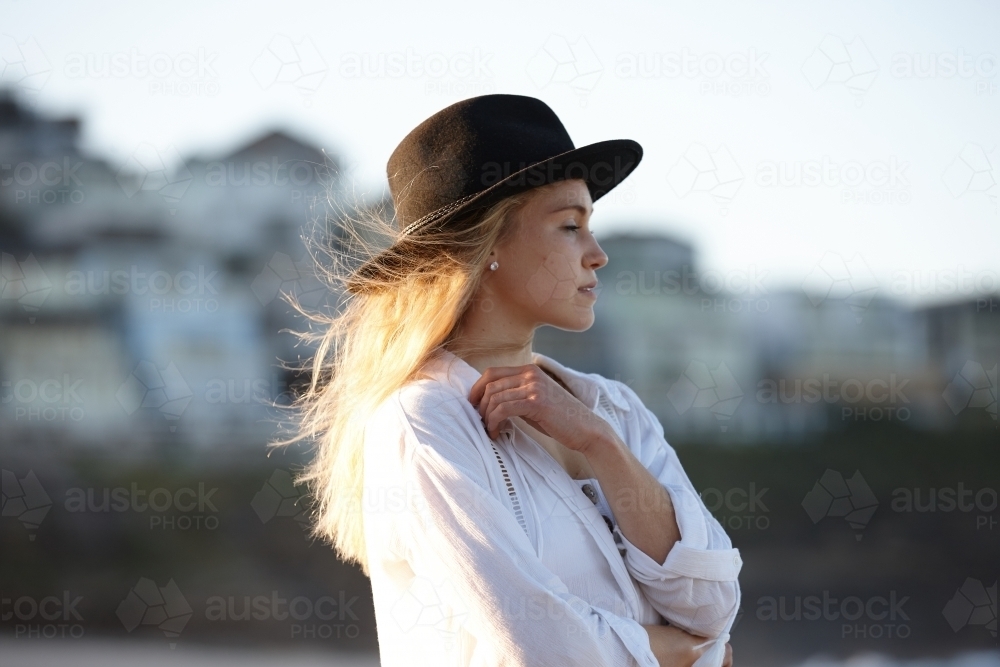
(596, 257)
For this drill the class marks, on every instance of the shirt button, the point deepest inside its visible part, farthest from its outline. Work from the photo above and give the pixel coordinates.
(588, 489)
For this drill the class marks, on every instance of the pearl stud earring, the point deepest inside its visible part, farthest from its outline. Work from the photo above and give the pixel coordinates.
(494, 266)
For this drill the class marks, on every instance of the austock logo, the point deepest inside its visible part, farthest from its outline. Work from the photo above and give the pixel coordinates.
(150, 387)
(181, 74)
(310, 617)
(193, 508)
(715, 173)
(162, 606)
(874, 399)
(23, 64)
(834, 496)
(982, 502)
(48, 182)
(425, 603)
(48, 617)
(282, 274)
(560, 61)
(871, 182)
(24, 282)
(943, 65)
(975, 170)
(453, 73)
(738, 508)
(25, 500)
(554, 280)
(835, 63)
(735, 290)
(182, 291)
(701, 387)
(48, 400)
(280, 498)
(851, 281)
(735, 73)
(973, 387)
(148, 169)
(874, 617)
(973, 604)
(296, 63)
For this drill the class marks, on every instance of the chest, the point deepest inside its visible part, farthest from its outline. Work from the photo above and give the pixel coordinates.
(574, 463)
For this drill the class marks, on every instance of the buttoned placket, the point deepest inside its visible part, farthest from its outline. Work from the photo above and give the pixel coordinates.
(563, 486)
(567, 490)
(592, 489)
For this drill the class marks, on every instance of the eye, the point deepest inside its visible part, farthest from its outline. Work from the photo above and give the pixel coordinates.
(572, 227)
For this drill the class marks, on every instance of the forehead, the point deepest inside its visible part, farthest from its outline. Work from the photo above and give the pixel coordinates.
(564, 194)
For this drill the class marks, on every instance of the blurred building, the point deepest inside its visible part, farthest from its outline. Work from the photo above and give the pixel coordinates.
(142, 306)
(722, 357)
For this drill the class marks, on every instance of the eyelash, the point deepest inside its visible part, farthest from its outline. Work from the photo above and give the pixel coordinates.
(572, 227)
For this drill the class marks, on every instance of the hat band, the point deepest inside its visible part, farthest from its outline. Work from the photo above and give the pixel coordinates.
(433, 215)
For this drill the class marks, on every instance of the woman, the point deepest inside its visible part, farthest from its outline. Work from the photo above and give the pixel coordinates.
(508, 509)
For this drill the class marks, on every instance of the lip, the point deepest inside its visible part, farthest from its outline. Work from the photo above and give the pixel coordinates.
(590, 288)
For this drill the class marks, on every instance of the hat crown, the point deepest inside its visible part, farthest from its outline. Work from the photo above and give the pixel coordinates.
(467, 147)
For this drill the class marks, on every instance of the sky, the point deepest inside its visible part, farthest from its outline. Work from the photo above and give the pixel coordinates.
(851, 140)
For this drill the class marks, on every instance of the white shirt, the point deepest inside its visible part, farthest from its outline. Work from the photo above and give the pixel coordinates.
(488, 553)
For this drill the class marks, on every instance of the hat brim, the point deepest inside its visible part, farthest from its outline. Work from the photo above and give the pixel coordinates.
(602, 165)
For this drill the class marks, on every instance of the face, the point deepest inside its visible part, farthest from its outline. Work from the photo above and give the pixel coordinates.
(547, 268)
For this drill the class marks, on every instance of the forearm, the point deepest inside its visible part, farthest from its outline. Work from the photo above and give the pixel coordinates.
(674, 647)
(690, 581)
(642, 507)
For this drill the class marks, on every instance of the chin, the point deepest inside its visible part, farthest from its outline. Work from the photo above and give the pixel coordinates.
(575, 319)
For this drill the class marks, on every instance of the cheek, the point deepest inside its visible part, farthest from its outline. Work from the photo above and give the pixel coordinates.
(547, 281)
(541, 271)
(523, 262)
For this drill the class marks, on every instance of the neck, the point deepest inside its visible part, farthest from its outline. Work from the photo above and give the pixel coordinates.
(485, 339)
(482, 353)
(481, 363)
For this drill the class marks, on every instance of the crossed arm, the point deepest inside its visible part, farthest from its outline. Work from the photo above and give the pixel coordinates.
(641, 505)
(645, 514)
(676, 550)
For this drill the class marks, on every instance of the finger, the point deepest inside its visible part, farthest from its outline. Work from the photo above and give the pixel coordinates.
(728, 660)
(489, 375)
(505, 410)
(496, 412)
(494, 388)
(535, 386)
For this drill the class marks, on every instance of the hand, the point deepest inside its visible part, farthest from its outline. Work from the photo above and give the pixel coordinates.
(529, 393)
(674, 647)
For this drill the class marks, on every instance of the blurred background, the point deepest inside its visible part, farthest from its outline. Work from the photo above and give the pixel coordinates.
(803, 285)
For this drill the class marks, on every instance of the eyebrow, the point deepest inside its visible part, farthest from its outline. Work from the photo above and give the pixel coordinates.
(578, 207)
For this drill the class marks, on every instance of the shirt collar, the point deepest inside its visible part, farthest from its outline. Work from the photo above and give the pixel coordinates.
(451, 369)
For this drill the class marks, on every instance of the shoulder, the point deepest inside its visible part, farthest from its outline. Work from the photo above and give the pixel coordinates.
(432, 418)
(431, 404)
(636, 409)
(643, 431)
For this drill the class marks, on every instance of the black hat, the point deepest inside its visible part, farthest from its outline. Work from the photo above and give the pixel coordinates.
(474, 153)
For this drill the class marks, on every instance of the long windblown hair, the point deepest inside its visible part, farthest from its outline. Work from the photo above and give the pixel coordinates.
(381, 334)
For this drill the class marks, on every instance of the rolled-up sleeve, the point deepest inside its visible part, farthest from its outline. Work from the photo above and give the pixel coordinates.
(696, 587)
(464, 538)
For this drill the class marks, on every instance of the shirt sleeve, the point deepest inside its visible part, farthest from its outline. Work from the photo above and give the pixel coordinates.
(464, 538)
(696, 587)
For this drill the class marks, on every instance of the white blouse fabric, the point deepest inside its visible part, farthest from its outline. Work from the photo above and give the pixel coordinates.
(486, 552)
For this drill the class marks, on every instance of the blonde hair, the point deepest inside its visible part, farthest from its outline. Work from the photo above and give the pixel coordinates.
(378, 341)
